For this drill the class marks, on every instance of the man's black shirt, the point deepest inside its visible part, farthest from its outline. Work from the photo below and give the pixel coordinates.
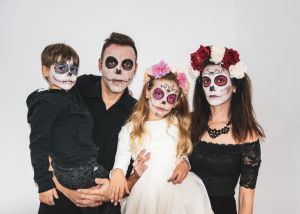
(107, 122)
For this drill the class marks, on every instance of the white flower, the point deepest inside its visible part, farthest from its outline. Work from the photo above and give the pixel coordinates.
(238, 70)
(217, 54)
(194, 74)
(173, 69)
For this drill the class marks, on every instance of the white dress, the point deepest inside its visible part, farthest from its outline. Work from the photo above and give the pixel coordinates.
(152, 193)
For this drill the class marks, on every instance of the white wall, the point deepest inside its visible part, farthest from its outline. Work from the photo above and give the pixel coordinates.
(265, 33)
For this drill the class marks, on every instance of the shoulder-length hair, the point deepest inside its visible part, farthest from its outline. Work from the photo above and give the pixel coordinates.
(241, 112)
(179, 116)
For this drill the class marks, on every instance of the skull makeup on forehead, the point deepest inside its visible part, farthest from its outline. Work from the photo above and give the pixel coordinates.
(216, 84)
(118, 67)
(63, 75)
(162, 97)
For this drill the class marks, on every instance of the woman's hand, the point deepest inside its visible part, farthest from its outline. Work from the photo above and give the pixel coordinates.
(180, 172)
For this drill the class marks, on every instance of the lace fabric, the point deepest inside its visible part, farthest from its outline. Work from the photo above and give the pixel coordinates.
(251, 160)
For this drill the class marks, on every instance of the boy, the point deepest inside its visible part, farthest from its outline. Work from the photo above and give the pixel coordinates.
(61, 127)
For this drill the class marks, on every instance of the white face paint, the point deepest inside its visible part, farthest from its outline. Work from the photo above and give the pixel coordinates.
(162, 98)
(118, 67)
(216, 84)
(63, 75)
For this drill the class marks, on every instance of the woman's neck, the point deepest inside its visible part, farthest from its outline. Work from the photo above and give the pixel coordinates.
(220, 113)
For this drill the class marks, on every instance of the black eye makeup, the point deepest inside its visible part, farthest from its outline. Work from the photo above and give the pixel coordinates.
(206, 81)
(112, 62)
(62, 68)
(127, 64)
(220, 80)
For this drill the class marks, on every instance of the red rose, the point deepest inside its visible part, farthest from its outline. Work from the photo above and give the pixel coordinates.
(231, 57)
(199, 57)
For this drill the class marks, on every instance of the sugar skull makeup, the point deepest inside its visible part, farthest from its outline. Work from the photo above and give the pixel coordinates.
(63, 75)
(216, 84)
(118, 67)
(162, 97)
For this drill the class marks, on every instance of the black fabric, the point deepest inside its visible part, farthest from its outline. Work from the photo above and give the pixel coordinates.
(223, 204)
(60, 127)
(221, 165)
(107, 123)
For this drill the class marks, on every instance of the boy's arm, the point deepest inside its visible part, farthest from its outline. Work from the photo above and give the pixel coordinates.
(41, 116)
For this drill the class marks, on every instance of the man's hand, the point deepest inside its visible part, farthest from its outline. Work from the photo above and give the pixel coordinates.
(47, 197)
(94, 196)
(180, 172)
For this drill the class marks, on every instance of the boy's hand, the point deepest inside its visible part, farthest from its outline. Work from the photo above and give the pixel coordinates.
(117, 186)
(180, 172)
(47, 197)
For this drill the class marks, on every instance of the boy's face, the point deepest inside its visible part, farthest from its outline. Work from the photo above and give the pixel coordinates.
(118, 67)
(61, 75)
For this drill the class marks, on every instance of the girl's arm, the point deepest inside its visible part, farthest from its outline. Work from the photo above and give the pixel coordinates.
(246, 199)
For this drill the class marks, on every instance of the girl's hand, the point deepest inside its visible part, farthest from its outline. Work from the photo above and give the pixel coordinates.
(180, 172)
(117, 186)
(139, 164)
(47, 197)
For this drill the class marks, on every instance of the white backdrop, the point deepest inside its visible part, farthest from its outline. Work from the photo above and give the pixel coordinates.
(265, 32)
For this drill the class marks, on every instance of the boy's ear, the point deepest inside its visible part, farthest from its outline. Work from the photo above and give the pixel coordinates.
(45, 71)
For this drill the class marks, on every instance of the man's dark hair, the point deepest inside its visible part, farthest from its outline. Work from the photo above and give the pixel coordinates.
(118, 39)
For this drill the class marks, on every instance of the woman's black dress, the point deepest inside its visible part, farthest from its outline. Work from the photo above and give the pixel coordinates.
(220, 166)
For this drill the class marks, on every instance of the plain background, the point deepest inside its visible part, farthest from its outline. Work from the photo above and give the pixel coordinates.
(266, 34)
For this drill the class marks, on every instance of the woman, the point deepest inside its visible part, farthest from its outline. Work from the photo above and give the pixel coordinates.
(225, 132)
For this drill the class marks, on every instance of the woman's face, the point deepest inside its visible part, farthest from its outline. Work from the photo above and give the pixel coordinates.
(216, 84)
(162, 98)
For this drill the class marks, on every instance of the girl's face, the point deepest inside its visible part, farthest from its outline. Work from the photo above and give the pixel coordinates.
(162, 98)
(216, 84)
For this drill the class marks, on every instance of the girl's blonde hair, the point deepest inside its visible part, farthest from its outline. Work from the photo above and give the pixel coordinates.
(180, 112)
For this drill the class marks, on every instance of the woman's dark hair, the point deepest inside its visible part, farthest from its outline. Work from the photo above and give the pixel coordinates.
(241, 112)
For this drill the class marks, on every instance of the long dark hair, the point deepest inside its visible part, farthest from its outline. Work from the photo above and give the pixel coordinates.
(241, 112)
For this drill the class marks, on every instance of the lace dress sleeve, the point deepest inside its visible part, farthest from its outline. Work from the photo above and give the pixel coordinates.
(251, 159)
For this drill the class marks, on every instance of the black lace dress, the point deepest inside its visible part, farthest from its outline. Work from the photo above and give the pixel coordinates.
(220, 166)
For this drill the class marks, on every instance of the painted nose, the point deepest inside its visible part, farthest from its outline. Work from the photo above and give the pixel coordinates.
(69, 73)
(212, 88)
(163, 102)
(118, 71)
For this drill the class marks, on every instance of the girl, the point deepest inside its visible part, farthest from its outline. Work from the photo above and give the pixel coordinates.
(160, 124)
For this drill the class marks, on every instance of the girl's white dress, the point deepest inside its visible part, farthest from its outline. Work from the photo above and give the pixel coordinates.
(152, 193)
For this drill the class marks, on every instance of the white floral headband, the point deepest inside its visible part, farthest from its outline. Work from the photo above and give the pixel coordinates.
(161, 69)
(227, 58)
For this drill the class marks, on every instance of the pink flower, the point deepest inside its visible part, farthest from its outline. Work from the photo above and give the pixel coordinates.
(181, 78)
(161, 69)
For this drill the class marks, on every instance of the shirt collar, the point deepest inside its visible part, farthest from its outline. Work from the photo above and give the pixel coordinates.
(96, 91)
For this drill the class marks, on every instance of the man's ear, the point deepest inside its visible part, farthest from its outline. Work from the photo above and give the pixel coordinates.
(136, 67)
(100, 64)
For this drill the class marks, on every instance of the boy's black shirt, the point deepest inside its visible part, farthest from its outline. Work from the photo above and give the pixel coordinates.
(61, 126)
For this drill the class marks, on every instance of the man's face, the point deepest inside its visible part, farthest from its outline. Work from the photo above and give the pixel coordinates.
(62, 75)
(162, 97)
(216, 84)
(118, 67)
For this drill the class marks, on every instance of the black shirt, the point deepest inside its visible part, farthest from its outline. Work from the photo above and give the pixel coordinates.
(107, 122)
(61, 126)
(221, 165)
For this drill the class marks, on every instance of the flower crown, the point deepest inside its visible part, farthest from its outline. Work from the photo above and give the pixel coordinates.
(227, 58)
(161, 69)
